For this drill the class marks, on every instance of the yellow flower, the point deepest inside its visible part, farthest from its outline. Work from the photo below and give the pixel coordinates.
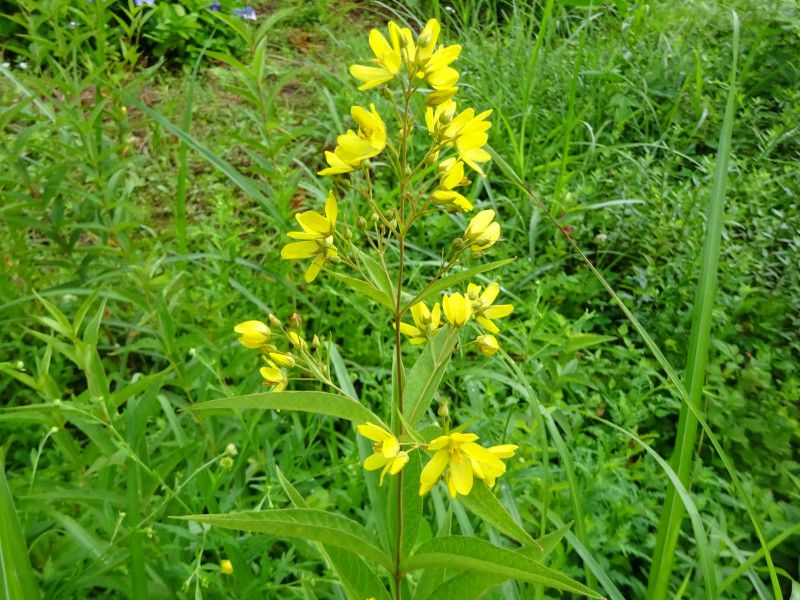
(455, 455)
(482, 232)
(254, 333)
(274, 376)
(226, 567)
(483, 308)
(426, 42)
(387, 57)
(426, 323)
(489, 471)
(468, 133)
(386, 448)
(487, 344)
(317, 238)
(452, 175)
(353, 148)
(457, 309)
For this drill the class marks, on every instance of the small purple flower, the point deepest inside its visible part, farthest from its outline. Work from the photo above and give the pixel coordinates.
(248, 13)
(215, 7)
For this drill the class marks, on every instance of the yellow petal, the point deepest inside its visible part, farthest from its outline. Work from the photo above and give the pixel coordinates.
(373, 432)
(313, 222)
(433, 471)
(390, 447)
(399, 462)
(331, 209)
(297, 250)
(375, 461)
(371, 76)
(487, 325)
(462, 477)
(407, 329)
(443, 441)
(314, 268)
(503, 450)
(499, 311)
(420, 314)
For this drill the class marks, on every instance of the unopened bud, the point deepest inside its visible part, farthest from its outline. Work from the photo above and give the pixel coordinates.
(459, 243)
(123, 110)
(347, 233)
(361, 223)
(374, 217)
(274, 321)
(393, 223)
(335, 259)
(315, 341)
(226, 462)
(444, 410)
(231, 450)
(295, 321)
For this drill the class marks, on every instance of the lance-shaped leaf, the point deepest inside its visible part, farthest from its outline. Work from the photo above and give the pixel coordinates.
(304, 523)
(321, 403)
(482, 502)
(356, 576)
(426, 374)
(365, 288)
(473, 554)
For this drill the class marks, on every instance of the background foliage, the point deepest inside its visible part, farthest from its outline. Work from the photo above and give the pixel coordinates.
(127, 258)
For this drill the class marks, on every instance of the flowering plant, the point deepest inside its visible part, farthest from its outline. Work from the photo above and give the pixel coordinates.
(419, 444)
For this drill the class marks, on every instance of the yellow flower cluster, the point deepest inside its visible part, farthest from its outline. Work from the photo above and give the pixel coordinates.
(257, 336)
(477, 304)
(421, 58)
(455, 456)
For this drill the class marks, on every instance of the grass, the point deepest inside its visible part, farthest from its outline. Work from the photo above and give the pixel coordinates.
(117, 302)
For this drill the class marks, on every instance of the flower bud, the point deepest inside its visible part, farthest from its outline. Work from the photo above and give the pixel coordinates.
(315, 342)
(487, 344)
(226, 567)
(226, 462)
(444, 410)
(374, 217)
(459, 243)
(274, 321)
(393, 223)
(231, 450)
(361, 223)
(347, 233)
(295, 321)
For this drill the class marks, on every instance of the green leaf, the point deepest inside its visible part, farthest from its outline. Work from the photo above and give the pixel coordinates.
(425, 376)
(365, 288)
(16, 575)
(304, 523)
(483, 503)
(456, 278)
(377, 272)
(477, 555)
(321, 403)
(355, 575)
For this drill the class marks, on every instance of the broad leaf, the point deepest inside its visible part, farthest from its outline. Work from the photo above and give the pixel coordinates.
(473, 554)
(304, 523)
(355, 575)
(482, 502)
(425, 376)
(321, 403)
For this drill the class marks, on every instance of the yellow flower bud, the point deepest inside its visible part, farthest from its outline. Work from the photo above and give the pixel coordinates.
(254, 334)
(226, 567)
(487, 344)
(226, 462)
(457, 309)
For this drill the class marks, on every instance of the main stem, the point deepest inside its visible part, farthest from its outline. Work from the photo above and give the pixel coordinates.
(398, 314)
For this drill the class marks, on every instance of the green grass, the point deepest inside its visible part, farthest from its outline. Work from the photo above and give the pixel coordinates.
(132, 243)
